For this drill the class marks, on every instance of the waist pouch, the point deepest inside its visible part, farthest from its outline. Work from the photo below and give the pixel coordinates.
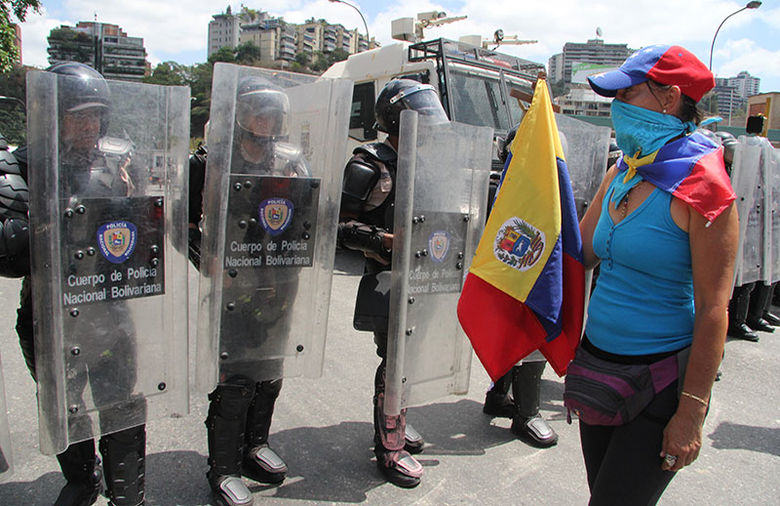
(602, 392)
(372, 306)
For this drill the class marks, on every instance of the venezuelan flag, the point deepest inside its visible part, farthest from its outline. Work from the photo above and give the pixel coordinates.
(692, 169)
(525, 289)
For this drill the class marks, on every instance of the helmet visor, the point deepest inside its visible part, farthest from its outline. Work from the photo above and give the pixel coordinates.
(263, 113)
(86, 105)
(424, 100)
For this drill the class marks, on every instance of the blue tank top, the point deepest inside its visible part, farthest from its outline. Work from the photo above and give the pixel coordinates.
(643, 301)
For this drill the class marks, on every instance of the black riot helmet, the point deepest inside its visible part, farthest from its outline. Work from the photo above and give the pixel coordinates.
(503, 152)
(81, 87)
(729, 143)
(400, 94)
(262, 109)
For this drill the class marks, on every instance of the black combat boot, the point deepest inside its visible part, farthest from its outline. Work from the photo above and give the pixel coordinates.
(527, 423)
(498, 402)
(759, 301)
(124, 455)
(390, 440)
(772, 319)
(738, 309)
(80, 467)
(225, 426)
(260, 462)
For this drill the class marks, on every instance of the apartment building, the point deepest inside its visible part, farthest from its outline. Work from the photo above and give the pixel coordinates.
(103, 46)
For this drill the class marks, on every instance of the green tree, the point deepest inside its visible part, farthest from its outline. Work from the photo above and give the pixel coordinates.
(247, 54)
(200, 89)
(9, 53)
(225, 53)
(337, 55)
(12, 114)
(319, 62)
(302, 59)
(169, 73)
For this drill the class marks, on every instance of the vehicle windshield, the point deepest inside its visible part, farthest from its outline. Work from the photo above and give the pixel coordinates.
(477, 100)
(514, 106)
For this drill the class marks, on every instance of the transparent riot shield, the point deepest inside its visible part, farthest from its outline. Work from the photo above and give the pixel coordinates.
(271, 202)
(747, 181)
(6, 461)
(108, 226)
(442, 184)
(772, 158)
(586, 148)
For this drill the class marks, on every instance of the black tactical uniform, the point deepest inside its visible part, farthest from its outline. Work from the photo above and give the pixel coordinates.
(366, 217)
(241, 408)
(96, 172)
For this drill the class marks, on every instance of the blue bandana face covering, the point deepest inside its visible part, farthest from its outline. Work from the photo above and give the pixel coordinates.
(640, 131)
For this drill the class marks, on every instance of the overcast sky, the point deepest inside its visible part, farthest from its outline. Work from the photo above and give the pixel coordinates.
(176, 30)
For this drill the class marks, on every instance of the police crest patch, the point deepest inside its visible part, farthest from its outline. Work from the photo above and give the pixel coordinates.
(117, 240)
(519, 244)
(275, 215)
(439, 245)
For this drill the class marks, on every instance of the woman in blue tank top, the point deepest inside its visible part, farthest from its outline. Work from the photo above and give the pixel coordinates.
(663, 228)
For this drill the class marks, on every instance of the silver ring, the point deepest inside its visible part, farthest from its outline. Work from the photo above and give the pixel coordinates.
(670, 459)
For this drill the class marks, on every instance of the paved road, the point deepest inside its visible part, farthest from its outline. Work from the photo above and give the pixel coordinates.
(322, 428)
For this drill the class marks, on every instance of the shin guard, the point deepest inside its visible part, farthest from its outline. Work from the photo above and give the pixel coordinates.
(395, 463)
(260, 462)
(124, 454)
(527, 422)
(225, 427)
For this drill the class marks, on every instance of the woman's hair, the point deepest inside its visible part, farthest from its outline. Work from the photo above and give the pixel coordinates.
(688, 109)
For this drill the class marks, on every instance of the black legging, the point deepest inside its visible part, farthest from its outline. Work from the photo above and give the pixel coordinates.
(623, 462)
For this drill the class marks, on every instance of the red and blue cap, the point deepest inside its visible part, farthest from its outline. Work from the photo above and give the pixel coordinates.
(671, 65)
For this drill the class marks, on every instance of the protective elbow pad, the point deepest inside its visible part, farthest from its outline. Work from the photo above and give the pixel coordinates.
(14, 196)
(360, 177)
(14, 249)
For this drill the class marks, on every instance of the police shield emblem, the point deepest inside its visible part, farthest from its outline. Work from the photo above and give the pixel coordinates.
(117, 240)
(439, 244)
(276, 214)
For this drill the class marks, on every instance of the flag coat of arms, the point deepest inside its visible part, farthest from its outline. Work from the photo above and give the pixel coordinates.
(525, 289)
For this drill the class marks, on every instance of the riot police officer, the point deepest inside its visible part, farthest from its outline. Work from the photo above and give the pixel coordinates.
(242, 405)
(96, 165)
(366, 225)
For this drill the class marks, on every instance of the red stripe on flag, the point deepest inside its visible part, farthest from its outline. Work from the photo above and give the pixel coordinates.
(707, 188)
(560, 351)
(502, 329)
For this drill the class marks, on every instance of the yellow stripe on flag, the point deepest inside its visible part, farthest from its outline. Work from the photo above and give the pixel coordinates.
(525, 221)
